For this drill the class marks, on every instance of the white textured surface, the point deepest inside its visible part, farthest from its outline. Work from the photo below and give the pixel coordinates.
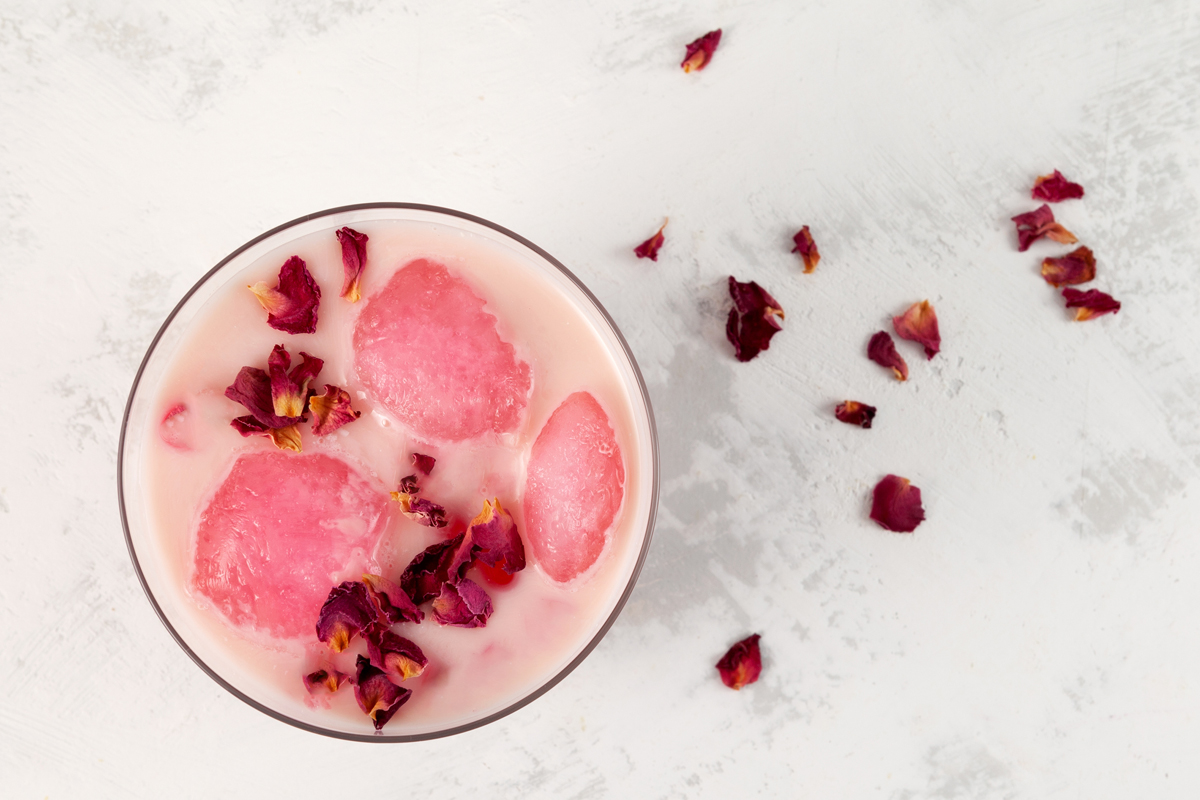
(1035, 638)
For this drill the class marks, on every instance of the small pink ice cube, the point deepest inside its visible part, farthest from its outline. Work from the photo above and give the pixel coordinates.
(574, 488)
(430, 353)
(279, 532)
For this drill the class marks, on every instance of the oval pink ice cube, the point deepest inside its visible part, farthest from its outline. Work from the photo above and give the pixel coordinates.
(279, 532)
(573, 489)
(431, 355)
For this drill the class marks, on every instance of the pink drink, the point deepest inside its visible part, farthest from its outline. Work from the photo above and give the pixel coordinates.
(238, 542)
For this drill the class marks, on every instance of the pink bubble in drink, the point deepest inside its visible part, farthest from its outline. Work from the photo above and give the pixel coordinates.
(574, 487)
(429, 351)
(280, 530)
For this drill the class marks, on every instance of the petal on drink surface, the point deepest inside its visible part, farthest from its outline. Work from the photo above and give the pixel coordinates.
(494, 537)
(423, 577)
(418, 509)
(348, 612)
(331, 410)
(354, 258)
(919, 324)
(399, 658)
(855, 413)
(649, 248)
(393, 602)
(1090, 304)
(289, 391)
(377, 696)
(882, 350)
(1035, 224)
(462, 605)
(700, 51)
(291, 305)
(324, 680)
(423, 463)
(753, 320)
(807, 248)
(742, 664)
(1077, 266)
(1054, 187)
(896, 505)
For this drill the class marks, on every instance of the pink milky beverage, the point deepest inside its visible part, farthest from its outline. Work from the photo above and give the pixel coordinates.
(468, 345)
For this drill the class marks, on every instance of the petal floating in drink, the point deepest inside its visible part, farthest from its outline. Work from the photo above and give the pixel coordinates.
(1054, 187)
(324, 680)
(753, 320)
(399, 658)
(348, 612)
(494, 536)
(377, 696)
(1077, 266)
(292, 304)
(1035, 224)
(462, 605)
(920, 324)
(574, 487)
(649, 248)
(331, 410)
(354, 258)
(855, 413)
(289, 391)
(700, 52)
(274, 531)
(276, 399)
(393, 602)
(423, 577)
(418, 509)
(742, 664)
(807, 248)
(1090, 304)
(423, 463)
(896, 504)
(430, 353)
(882, 350)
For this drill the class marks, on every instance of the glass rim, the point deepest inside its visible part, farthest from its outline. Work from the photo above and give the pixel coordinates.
(553, 680)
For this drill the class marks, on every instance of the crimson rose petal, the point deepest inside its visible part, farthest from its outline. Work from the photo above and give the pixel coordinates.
(399, 658)
(331, 410)
(354, 258)
(393, 603)
(377, 696)
(289, 391)
(326, 679)
(896, 505)
(807, 249)
(882, 350)
(423, 463)
(423, 577)
(1077, 266)
(462, 605)
(418, 509)
(919, 324)
(292, 305)
(494, 535)
(700, 52)
(855, 413)
(1035, 224)
(347, 611)
(1054, 187)
(649, 248)
(753, 320)
(742, 664)
(1090, 304)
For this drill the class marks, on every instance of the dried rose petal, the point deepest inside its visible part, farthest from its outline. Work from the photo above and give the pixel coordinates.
(896, 505)
(1035, 224)
(347, 611)
(1077, 266)
(882, 350)
(289, 391)
(408, 485)
(700, 52)
(1090, 304)
(399, 658)
(423, 463)
(265, 395)
(919, 324)
(462, 605)
(1054, 187)
(292, 305)
(423, 577)
(742, 664)
(354, 258)
(326, 679)
(418, 509)
(377, 696)
(752, 320)
(393, 603)
(331, 410)
(495, 538)
(649, 248)
(855, 413)
(807, 249)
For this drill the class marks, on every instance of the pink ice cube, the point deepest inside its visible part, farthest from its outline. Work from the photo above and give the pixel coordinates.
(574, 486)
(279, 533)
(430, 353)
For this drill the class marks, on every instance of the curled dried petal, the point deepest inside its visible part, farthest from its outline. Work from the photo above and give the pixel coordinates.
(742, 664)
(1077, 266)
(494, 536)
(882, 350)
(286, 438)
(807, 249)
(423, 577)
(348, 611)
(896, 504)
(1035, 224)
(399, 658)
(919, 324)
(377, 696)
(462, 605)
(418, 509)
(753, 320)
(649, 248)
(291, 305)
(393, 604)
(324, 680)
(331, 410)
(700, 52)
(855, 413)
(289, 391)
(423, 463)
(1090, 304)
(1054, 187)
(354, 258)
(408, 485)
(276, 400)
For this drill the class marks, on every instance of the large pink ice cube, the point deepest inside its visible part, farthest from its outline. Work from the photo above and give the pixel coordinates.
(573, 488)
(430, 353)
(280, 532)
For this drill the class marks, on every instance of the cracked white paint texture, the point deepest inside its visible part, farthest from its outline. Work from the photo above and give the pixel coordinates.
(1035, 638)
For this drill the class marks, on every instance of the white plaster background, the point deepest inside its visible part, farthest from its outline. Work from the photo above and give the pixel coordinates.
(1035, 638)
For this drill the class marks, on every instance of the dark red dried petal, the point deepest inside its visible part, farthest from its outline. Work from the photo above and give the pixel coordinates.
(1090, 304)
(289, 392)
(418, 509)
(1054, 187)
(742, 664)
(700, 52)
(292, 305)
(252, 388)
(882, 350)
(399, 658)
(1035, 224)
(331, 410)
(807, 249)
(423, 577)
(919, 324)
(377, 696)
(324, 680)
(393, 604)
(462, 605)
(896, 505)
(408, 485)
(494, 538)
(354, 258)
(753, 320)
(423, 463)
(649, 248)
(1077, 266)
(347, 611)
(854, 413)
